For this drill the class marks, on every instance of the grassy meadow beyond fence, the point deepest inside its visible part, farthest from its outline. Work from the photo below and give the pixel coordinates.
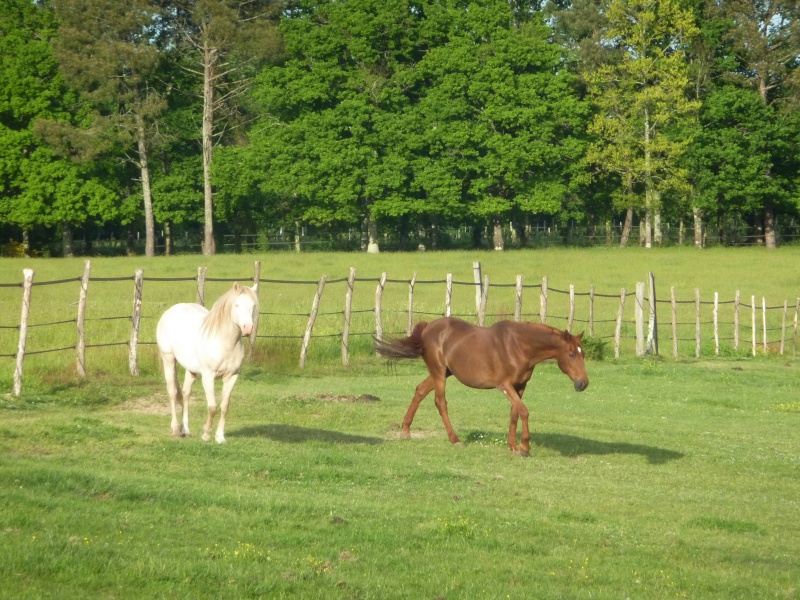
(289, 283)
(664, 479)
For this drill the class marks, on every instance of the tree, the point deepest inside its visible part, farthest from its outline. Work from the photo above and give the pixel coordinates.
(333, 135)
(499, 116)
(765, 37)
(221, 41)
(742, 157)
(39, 188)
(639, 99)
(107, 50)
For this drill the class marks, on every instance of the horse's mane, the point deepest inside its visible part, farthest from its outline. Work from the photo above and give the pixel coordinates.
(220, 313)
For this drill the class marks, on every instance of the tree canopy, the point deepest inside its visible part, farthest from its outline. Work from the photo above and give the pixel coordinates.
(403, 117)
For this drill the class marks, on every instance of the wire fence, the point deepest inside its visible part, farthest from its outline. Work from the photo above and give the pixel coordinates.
(292, 317)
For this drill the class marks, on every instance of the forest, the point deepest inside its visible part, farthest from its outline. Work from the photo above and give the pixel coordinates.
(159, 126)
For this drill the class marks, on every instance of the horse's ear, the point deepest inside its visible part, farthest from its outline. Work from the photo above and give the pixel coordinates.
(255, 288)
(580, 336)
(235, 286)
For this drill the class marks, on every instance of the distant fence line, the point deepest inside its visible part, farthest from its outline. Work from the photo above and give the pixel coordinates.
(645, 319)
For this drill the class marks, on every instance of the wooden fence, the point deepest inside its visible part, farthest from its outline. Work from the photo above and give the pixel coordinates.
(747, 328)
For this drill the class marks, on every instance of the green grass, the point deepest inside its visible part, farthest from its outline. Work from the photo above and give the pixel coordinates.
(284, 306)
(662, 480)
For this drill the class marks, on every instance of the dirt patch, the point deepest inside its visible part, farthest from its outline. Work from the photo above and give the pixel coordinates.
(149, 405)
(340, 398)
(416, 434)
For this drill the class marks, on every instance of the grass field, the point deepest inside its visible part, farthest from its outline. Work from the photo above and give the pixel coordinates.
(767, 276)
(665, 478)
(662, 480)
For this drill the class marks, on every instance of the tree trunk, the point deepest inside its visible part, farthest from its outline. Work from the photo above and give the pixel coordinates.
(209, 62)
(168, 239)
(67, 247)
(372, 236)
(130, 241)
(658, 235)
(770, 237)
(147, 194)
(698, 227)
(646, 230)
(626, 228)
(26, 242)
(497, 234)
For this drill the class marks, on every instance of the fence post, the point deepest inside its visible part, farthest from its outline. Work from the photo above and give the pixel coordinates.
(80, 323)
(652, 323)
(736, 307)
(753, 311)
(783, 325)
(312, 317)
(484, 298)
(378, 301)
(543, 301)
(697, 322)
(571, 316)
(256, 286)
(201, 285)
(133, 356)
(27, 286)
(478, 278)
(348, 309)
(764, 322)
(518, 303)
(591, 311)
(618, 329)
(448, 294)
(794, 330)
(638, 314)
(411, 283)
(674, 305)
(716, 323)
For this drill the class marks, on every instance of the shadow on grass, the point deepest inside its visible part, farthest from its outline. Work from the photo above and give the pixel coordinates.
(570, 445)
(292, 434)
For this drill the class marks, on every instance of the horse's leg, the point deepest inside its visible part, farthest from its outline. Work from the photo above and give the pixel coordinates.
(518, 411)
(171, 377)
(423, 389)
(208, 386)
(441, 405)
(227, 387)
(188, 381)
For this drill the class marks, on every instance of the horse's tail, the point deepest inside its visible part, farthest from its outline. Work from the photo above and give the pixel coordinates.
(408, 347)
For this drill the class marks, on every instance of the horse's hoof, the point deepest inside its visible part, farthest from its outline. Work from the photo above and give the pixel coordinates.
(220, 440)
(206, 437)
(521, 452)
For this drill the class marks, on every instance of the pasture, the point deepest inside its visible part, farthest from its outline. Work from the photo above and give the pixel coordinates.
(665, 478)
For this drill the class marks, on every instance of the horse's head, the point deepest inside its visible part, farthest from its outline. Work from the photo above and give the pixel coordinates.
(244, 307)
(571, 360)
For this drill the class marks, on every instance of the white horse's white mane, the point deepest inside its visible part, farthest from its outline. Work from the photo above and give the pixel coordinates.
(219, 316)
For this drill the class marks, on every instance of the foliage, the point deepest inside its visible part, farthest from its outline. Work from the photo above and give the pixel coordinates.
(409, 115)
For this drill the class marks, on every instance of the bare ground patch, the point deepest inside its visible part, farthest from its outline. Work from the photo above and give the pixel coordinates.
(157, 404)
(338, 398)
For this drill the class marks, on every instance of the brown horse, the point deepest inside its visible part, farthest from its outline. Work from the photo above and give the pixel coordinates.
(502, 356)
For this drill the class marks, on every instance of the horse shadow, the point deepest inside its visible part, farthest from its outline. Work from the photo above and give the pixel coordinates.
(571, 445)
(293, 434)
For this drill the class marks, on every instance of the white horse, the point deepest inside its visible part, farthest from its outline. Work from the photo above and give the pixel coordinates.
(208, 342)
